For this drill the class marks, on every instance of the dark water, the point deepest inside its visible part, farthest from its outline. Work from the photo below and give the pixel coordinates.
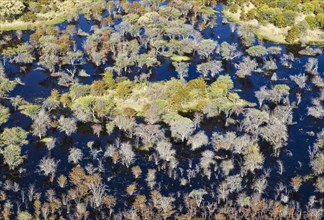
(38, 84)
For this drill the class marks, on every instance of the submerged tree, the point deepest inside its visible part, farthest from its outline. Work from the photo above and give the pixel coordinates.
(41, 124)
(67, 125)
(48, 167)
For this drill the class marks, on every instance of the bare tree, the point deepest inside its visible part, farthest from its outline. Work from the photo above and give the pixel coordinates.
(198, 195)
(41, 124)
(48, 166)
(75, 155)
(300, 80)
(181, 68)
(97, 190)
(127, 154)
(67, 125)
(198, 140)
(246, 67)
(211, 68)
(182, 128)
(149, 134)
(97, 128)
(165, 151)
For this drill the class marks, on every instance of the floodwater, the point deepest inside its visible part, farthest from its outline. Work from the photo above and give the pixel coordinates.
(38, 85)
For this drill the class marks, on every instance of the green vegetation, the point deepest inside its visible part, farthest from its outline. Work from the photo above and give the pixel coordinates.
(283, 15)
(28, 14)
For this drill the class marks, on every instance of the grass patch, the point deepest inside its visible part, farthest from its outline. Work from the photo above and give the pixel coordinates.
(178, 58)
(46, 140)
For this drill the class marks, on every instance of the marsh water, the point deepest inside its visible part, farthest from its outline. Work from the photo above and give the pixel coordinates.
(38, 85)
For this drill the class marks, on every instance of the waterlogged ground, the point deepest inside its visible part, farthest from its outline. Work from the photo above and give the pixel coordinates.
(38, 85)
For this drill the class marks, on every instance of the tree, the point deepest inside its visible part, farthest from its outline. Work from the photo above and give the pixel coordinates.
(198, 140)
(165, 151)
(181, 68)
(10, 8)
(210, 68)
(109, 79)
(12, 156)
(293, 34)
(281, 21)
(318, 164)
(4, 114)
(300, 80)
(48, 166)
(75, 155)
(24, 216)
(15, 136)
(97, 189)
(127, 154)
(312, 21)
(67, 125)
(253, 159)
(296, 182)
(229, 51)
(246, 35)
(149, 134)
(197, 195)
(206, 48)
(257, 51)
(245, 67)
(320, 184)
(41, 124)
(181, 129)
(98, 88)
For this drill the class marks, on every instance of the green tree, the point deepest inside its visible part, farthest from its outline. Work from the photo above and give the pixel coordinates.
(293, 34)
(24, 216)
(281, 21)
(13, 136)
(12, 156)
(312, 21)
(109, 79)
(320, 19)
(4, 114)
(10, 8)
(308, 8)
(257, 51)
